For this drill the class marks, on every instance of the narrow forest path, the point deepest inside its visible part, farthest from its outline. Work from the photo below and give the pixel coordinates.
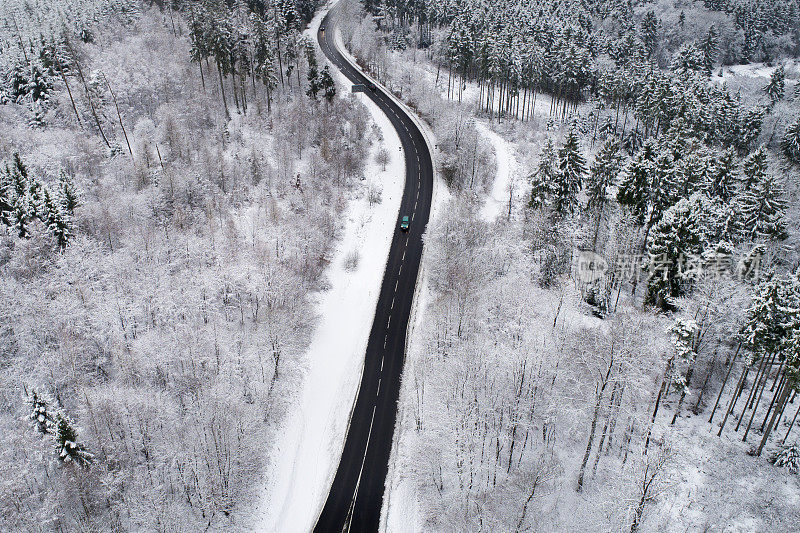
(501, 194)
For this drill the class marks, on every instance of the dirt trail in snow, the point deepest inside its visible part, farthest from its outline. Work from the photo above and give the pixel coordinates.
(497, 201)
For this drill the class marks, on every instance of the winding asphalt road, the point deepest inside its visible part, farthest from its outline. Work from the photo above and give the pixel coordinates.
(355, 498)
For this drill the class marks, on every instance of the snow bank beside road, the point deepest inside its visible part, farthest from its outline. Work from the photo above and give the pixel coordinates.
(311, 441)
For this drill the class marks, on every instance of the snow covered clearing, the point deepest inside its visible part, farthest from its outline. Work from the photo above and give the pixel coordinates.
(311, 442)
(757, 71)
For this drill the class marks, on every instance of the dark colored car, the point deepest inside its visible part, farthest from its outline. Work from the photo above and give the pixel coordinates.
(322, 29)
(404, 223)
(371, 86)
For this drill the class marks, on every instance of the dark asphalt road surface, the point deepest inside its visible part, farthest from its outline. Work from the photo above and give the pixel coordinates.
(355, 498)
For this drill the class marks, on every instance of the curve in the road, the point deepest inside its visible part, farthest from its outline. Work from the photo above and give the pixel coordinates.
(356, 495)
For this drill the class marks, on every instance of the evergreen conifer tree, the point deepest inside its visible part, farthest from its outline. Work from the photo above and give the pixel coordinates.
(68, 195)
(313, 82)
(327, 85)
(776, 87)
(722, 177)
(761, 209)
(40, 415)
(58, 223)
(543, 180)
(710, 48)
(68, 449)
(673, 249)
(634, 190)
(790, 144)
(650, 33)
(569, 175)
(605, 168)
(754, 168)
(683, 332)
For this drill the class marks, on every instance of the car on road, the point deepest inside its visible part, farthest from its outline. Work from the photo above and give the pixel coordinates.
(322, 29)
(404, 223)
(371, 86)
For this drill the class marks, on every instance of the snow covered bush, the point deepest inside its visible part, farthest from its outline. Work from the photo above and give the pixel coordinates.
(351, 261)
(787, 457)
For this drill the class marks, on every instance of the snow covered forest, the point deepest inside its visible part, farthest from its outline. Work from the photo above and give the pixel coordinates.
(615, 349)
(167, 207)
(609, 310)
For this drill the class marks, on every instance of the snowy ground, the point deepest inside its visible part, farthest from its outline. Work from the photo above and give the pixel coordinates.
(758, 71)
(717, 486)
(311, 442)
(471, 92)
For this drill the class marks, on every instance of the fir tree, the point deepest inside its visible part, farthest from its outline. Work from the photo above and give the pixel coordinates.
(313, 82)
(6, 198)
(68, 449)
(749, 129)
(327, 85)
(17, 186)
(68, 195)
(762, 209)
(569, 175)
(40, 414)
(683, 333)
(673, 247)
(787, 457)
(773, 316)
(58, 223)
(543, 180)
(687, 60)
(754, 168)
(790, 144)
(605, 168)
(723, 177)
(777, 85)
(650, 33)
(710, 49)
(634, 190)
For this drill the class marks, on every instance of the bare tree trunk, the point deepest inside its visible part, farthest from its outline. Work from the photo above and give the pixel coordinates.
(614, 416)
(696, 408)
(689, 373)
(781, 402)
(724, 382)
(69, 92)
(605, 429)
(751, 397)
(222, 90)
(731, 402)
(755, 408)
(791, 425)
(88, 94)
(782, 383)
(525, 506)
(119, 115)
(655, 412)
(597, 404)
